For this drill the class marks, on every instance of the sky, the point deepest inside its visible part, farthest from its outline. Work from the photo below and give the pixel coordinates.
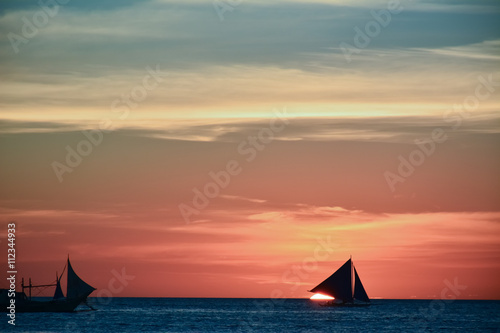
(248, 149)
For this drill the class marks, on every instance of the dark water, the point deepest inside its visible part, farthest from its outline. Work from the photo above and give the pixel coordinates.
(265, 315)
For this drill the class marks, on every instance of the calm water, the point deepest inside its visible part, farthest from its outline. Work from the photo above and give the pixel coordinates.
(263, 315)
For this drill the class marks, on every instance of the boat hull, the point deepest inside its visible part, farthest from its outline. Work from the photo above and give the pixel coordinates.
(77, 292)
(62, 305)
(345, 305)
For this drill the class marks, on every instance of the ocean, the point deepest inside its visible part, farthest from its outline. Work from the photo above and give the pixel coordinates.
(264, 315)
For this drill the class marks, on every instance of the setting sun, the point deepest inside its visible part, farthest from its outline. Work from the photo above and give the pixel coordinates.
(320, 297)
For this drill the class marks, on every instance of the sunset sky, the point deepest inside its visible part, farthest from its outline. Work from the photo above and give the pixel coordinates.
(218, 150)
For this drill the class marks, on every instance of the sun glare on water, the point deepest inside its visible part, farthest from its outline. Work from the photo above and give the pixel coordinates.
(320, 297)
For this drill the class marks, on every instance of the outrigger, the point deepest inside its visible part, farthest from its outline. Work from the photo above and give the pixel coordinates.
(77, 292)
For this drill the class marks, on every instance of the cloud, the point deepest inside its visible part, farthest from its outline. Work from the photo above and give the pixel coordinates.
(487, 50)
(235, 197)
(53, 214)
(381, 83)
(303, 212)
(398, 129)
(284, 53)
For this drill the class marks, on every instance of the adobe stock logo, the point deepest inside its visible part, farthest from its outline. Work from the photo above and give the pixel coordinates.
(223, 6)
(39, 20)
(249, 148)
(372, 28)
(295, 277)
(121, 106)
(427, 147)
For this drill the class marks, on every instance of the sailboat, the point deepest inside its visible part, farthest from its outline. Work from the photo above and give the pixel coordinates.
(345, 286)
(76, 293)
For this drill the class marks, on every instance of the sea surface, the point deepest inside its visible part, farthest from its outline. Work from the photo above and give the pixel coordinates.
(264, 315)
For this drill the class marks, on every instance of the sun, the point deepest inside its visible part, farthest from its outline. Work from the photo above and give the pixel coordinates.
(320, 297)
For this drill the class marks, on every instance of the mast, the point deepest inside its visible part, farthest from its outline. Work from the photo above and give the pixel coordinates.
(352, 277)
(58, 292)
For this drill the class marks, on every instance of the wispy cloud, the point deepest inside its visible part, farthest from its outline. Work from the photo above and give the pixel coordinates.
(238, 67)
(235, 197)
(233, 130)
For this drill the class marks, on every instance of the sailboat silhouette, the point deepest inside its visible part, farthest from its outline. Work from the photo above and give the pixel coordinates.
(76, 293)
(345, 286)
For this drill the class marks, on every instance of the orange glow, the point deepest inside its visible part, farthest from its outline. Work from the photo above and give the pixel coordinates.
(320, 297)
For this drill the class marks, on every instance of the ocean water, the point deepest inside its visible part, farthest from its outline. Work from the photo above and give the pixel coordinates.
(264, 315)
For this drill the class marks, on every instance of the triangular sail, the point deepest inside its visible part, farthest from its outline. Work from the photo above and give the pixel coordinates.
(359, 290)
(77, 288)
(338, 285)
(59, 293)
